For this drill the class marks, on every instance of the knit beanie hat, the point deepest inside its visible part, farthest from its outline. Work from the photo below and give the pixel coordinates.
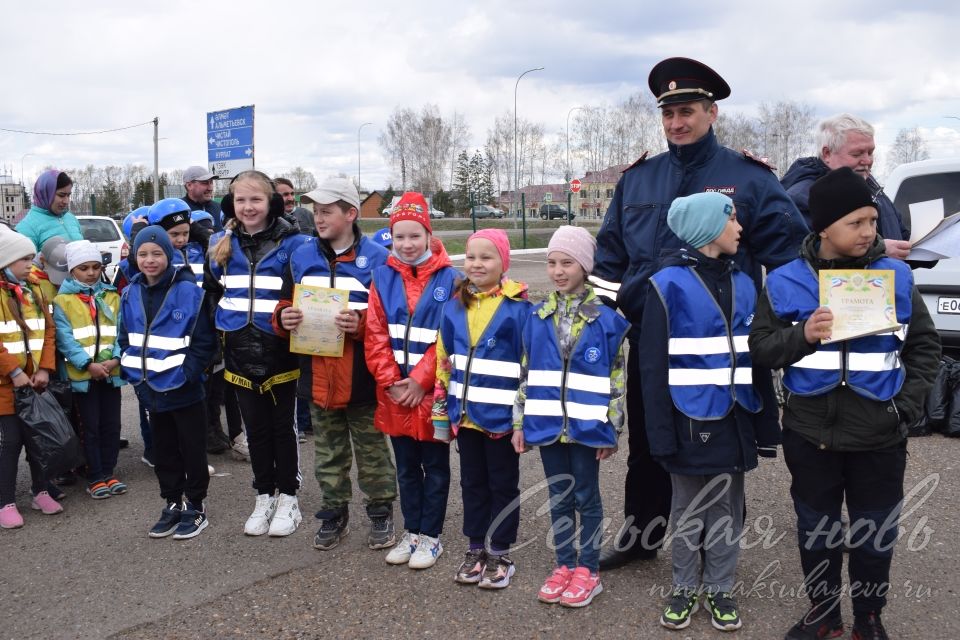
(576, 242)
(411, 206)
(500, 240)
(699, 219)
(835, 195)
(157, 235)
(80, 252)
(14, 246)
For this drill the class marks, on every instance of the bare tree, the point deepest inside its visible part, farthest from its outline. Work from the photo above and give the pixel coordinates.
(459, 139)
(738, 132)
(432, 139)
(303, 180)
(397, 142)
(499, 151)
(908, 147)
(787, 131)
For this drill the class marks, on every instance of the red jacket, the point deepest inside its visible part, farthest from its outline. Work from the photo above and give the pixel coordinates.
(390, 417)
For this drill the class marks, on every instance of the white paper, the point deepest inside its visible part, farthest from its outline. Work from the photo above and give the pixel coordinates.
(942, 242)
(924, 216)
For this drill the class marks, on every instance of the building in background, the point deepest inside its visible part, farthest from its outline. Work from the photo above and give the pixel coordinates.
(12, 205)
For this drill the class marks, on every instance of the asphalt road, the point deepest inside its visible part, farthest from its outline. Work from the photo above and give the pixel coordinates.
(92, 572)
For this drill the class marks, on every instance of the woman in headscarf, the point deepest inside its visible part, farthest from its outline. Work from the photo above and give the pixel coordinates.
(50, 216)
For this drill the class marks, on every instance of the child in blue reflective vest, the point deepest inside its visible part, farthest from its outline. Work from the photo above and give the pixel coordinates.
(708, 411)
(478, 373)
(167, 340)
(571, 405)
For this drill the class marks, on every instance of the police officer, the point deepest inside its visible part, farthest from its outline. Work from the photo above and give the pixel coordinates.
(633, 234)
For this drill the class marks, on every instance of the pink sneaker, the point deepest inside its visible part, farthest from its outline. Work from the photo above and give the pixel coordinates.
(45, 503)
(10, 518)
(582, 588)
(555, 585)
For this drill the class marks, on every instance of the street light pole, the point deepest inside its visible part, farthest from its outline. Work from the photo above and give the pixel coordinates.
(358, 153)
(21, 169)
(572, 109)
(516, 162)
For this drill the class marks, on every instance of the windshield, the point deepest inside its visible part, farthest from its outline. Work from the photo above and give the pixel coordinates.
(99, 230)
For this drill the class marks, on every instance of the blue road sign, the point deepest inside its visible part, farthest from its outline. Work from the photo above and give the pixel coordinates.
(230, 141)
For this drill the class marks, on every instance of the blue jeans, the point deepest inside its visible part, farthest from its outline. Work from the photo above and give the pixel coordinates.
(423, 476)
(573, 477)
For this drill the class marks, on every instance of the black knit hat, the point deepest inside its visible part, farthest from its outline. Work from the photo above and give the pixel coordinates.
(835, 195)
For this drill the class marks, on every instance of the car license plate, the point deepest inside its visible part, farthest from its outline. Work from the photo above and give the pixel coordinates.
(948, 305)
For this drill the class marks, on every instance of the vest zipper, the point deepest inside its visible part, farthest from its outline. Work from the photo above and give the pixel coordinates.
(466, 381)
(729, 332)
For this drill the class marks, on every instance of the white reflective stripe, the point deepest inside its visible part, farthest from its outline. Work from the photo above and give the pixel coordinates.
(605, 293)
(35, 323)
(488, 367)
(578, 381)
(819, 360)
(89, 350)
(235, 282)
(483, 394)
(90, 331)
(580, 411)
(543, 378)
(412, 358)
(706, 346)
(196, 268)
(604, 284)
(36, 346)
(271, 283)
(350, 284)
(358, 306)
(688, 377)
(743, 375)
(417, 334)
(152, 364)
(159, 342)
(396, 331)
(534, 407)
(243, 304)
(874, 361)
(316, 281)
(10, 326)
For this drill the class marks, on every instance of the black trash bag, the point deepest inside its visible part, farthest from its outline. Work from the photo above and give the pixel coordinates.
(51, 439)
(920, 428)
(938, 400)
(62, 390)
(952, 426)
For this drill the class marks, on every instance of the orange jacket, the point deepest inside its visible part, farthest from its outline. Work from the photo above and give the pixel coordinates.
(9, 363)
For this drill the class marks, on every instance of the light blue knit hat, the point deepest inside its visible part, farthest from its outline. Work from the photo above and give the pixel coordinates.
(699, 219)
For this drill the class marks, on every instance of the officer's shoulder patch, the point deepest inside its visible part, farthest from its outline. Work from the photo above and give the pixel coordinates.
(639, 161)
(760, 161)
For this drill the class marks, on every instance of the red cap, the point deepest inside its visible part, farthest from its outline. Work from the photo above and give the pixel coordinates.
(411, 206)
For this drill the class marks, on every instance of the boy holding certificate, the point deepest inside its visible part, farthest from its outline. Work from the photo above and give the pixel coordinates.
(847, 407)
(341, 257)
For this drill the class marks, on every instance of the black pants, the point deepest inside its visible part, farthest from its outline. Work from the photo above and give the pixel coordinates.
(220, 393)
(180, 452)
(99, 410)
(490, 485)
(13, 433)
(272, 437)
(872, 483)
(647, 489)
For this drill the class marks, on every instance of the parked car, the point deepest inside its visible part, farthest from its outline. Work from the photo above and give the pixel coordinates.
(436, 213)
(553, 211)
(940, 286)
(105, 233)
(485, 211)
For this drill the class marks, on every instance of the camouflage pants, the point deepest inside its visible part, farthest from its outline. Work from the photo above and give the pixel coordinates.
(334, 430)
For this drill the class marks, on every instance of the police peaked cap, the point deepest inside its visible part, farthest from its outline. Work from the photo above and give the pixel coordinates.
(677, 80)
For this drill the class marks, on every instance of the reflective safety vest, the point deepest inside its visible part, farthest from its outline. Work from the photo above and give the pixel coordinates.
(708, 358)
(411, 336)
(309, 266)
(94, 335)
(485, 378)
(870, 365)
(195, 258)
(251, 297)
(157, 351)
(571, 397)
(27, 346)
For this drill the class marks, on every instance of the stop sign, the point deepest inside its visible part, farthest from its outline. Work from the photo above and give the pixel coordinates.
(575, 185)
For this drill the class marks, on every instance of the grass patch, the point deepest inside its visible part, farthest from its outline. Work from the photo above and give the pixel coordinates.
(458, 245)
(369, 225)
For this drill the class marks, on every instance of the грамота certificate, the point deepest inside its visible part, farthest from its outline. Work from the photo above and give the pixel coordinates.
(318, 335)
(863, 302)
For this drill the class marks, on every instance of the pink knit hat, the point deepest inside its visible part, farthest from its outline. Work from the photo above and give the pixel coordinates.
(500, 240)
(577, 243)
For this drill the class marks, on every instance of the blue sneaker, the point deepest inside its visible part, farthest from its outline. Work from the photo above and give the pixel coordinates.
(192, 522)
(167, 524)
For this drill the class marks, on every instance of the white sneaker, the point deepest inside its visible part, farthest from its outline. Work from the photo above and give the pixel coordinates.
(426, 554)
(240, 450)
(401, 553)
(287, 518)
(259, 521)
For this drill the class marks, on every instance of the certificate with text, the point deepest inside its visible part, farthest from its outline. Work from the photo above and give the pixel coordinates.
(863, 302)
(318, 334)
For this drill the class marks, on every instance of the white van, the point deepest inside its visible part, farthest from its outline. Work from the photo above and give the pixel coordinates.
(105, 233)
(940, 286)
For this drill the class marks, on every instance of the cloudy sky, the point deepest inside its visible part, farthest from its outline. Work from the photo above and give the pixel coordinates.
(317, 70)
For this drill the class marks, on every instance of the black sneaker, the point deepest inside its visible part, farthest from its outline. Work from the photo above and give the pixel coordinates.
(868, 627)
(216, 444)
(472, 567)
(124, 443)
(167, 524)
(723, 612)
(382, 534)
(820, 621)
(497, 572)
(193, 520)
(682, 605)
(334, 525)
